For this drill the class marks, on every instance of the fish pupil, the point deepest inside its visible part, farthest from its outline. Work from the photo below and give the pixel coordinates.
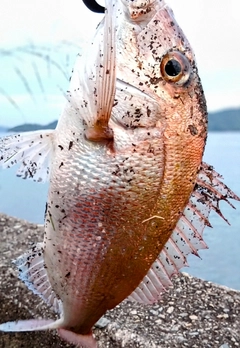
(173, 68)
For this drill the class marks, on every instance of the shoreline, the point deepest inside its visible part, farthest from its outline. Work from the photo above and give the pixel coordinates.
(194, 313)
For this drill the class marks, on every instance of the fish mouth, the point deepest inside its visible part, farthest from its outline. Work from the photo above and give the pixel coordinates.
(137, 8)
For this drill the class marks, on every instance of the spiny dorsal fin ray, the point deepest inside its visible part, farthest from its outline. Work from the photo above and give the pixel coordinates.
(31, 150)
(186, 238)
(33, 273)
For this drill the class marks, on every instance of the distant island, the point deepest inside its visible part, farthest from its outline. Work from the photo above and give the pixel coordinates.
(28, 127)
(221, 121)
(225, 120)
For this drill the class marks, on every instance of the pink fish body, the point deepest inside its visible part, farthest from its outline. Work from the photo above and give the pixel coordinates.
(129, 196)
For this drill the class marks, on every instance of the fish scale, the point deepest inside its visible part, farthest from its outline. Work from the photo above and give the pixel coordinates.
(87, 214)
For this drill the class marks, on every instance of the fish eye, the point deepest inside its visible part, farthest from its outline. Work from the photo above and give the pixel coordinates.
(175, 67)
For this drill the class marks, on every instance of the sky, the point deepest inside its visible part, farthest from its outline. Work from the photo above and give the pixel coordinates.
(31, 90)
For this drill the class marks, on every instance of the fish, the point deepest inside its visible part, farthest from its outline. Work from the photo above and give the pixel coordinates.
(129, 194)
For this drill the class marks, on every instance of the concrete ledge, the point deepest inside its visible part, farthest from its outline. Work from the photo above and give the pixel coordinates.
(194, 313)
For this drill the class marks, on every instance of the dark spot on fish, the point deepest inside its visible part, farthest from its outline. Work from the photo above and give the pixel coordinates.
(148, 112)
(150, 149)
(155, 80)
(60, 147)
(67, 275)
(193, 130)
(70, 145)
(45, 213)
(28, 264)
(172, 24)
(59, 251)
(61, 165)
(191, 110)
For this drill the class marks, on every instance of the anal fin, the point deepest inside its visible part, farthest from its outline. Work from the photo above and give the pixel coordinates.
(187, 236)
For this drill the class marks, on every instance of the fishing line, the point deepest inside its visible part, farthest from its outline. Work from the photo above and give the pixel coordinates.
(93, 6)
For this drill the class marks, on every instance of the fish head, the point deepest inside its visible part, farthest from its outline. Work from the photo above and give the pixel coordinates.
(156, 61)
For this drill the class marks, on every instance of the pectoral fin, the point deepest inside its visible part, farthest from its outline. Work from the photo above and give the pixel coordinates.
(99, 88)
(187, 237)
(31, 150)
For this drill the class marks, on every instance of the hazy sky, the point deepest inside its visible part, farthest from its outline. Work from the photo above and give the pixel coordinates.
(212, 27)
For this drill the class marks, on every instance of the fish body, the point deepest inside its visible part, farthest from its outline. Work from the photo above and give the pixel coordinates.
(102, 194)
(127, 183)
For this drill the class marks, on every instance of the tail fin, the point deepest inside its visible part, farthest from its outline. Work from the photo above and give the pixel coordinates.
(86, 341)
(31, 325)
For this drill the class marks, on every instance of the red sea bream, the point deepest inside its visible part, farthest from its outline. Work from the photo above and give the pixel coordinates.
(129, 196)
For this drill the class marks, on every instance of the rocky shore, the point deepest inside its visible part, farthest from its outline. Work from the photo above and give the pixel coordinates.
(194, 313)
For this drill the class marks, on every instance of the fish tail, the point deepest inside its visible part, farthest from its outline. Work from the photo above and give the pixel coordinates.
(86, 341)
(31, 325)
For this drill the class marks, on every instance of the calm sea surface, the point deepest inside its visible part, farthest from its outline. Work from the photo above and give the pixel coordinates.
(220, 263)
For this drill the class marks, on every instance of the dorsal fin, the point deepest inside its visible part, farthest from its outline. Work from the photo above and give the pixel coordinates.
(187, 237)
(33, 273)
